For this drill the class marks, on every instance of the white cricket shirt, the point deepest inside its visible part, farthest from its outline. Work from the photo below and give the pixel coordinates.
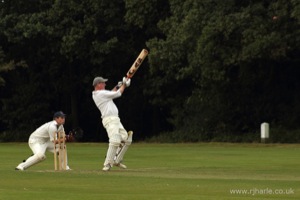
(104, 101)
(46, 131)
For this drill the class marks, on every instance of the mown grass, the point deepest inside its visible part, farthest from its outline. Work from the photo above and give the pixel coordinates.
(157, 171)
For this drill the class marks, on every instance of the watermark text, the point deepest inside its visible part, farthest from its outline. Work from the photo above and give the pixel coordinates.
(262, 191)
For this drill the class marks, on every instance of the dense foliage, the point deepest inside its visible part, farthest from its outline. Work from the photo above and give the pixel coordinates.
(216, 69)
(230, 66)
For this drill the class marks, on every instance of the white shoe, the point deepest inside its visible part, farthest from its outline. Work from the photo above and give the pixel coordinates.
(120, 165)
(68, 168)
(129, 133)
(106, 167)
(20, 168)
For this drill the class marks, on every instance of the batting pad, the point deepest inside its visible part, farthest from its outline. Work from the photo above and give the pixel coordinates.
(111, 152)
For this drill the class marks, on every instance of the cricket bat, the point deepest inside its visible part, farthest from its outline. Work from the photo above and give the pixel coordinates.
(137, 63)
(135, 66)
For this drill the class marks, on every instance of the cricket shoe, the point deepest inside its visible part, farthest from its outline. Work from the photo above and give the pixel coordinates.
(19, 168)
(122, 166)
(129, 133)
(106, 167)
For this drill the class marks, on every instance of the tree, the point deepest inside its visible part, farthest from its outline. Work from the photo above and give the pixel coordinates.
(143, 16)
(219, 60)
(65, 45)
(215, 67)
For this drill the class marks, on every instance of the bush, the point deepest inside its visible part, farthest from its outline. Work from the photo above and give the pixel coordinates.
(279, 135)
(276, 136)
(8, 136)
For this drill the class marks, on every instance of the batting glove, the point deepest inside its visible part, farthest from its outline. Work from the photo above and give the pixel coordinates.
(120, 83)
(126, 81)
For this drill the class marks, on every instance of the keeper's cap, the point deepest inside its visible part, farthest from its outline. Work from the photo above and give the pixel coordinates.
(59, 114)
(99, 79)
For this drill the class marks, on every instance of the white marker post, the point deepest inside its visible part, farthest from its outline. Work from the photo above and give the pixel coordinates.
(264, 132)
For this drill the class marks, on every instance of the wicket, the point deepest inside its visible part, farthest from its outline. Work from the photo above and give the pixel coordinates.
(60, 151)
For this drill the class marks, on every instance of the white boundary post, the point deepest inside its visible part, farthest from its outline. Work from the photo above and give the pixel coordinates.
(264, 132)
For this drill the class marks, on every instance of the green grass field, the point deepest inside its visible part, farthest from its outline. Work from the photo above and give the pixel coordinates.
(157, 171)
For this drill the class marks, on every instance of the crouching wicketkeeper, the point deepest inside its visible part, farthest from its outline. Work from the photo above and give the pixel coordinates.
(42, 139)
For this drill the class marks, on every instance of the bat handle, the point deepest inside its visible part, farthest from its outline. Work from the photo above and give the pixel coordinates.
(118, 86)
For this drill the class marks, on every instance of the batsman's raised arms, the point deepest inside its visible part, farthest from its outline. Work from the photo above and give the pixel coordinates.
(137, 63)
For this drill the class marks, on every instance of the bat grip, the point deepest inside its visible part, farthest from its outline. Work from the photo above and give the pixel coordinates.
(118, 86)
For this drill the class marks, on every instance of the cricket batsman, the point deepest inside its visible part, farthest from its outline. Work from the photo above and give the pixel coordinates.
(42, 139)
(119, 138)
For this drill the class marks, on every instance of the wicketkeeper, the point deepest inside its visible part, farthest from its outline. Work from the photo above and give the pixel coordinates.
(119, 138)
(42, 139)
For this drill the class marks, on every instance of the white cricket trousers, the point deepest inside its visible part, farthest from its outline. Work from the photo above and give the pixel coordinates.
(41, 147)
(116, 134)
(115, 130)
(38, 147)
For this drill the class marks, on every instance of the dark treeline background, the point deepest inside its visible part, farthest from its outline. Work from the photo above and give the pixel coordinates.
(216, 69)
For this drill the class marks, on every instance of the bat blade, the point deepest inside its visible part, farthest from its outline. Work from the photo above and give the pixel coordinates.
(137, 63)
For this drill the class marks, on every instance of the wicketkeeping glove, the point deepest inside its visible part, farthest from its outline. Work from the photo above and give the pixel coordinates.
(70, 137)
